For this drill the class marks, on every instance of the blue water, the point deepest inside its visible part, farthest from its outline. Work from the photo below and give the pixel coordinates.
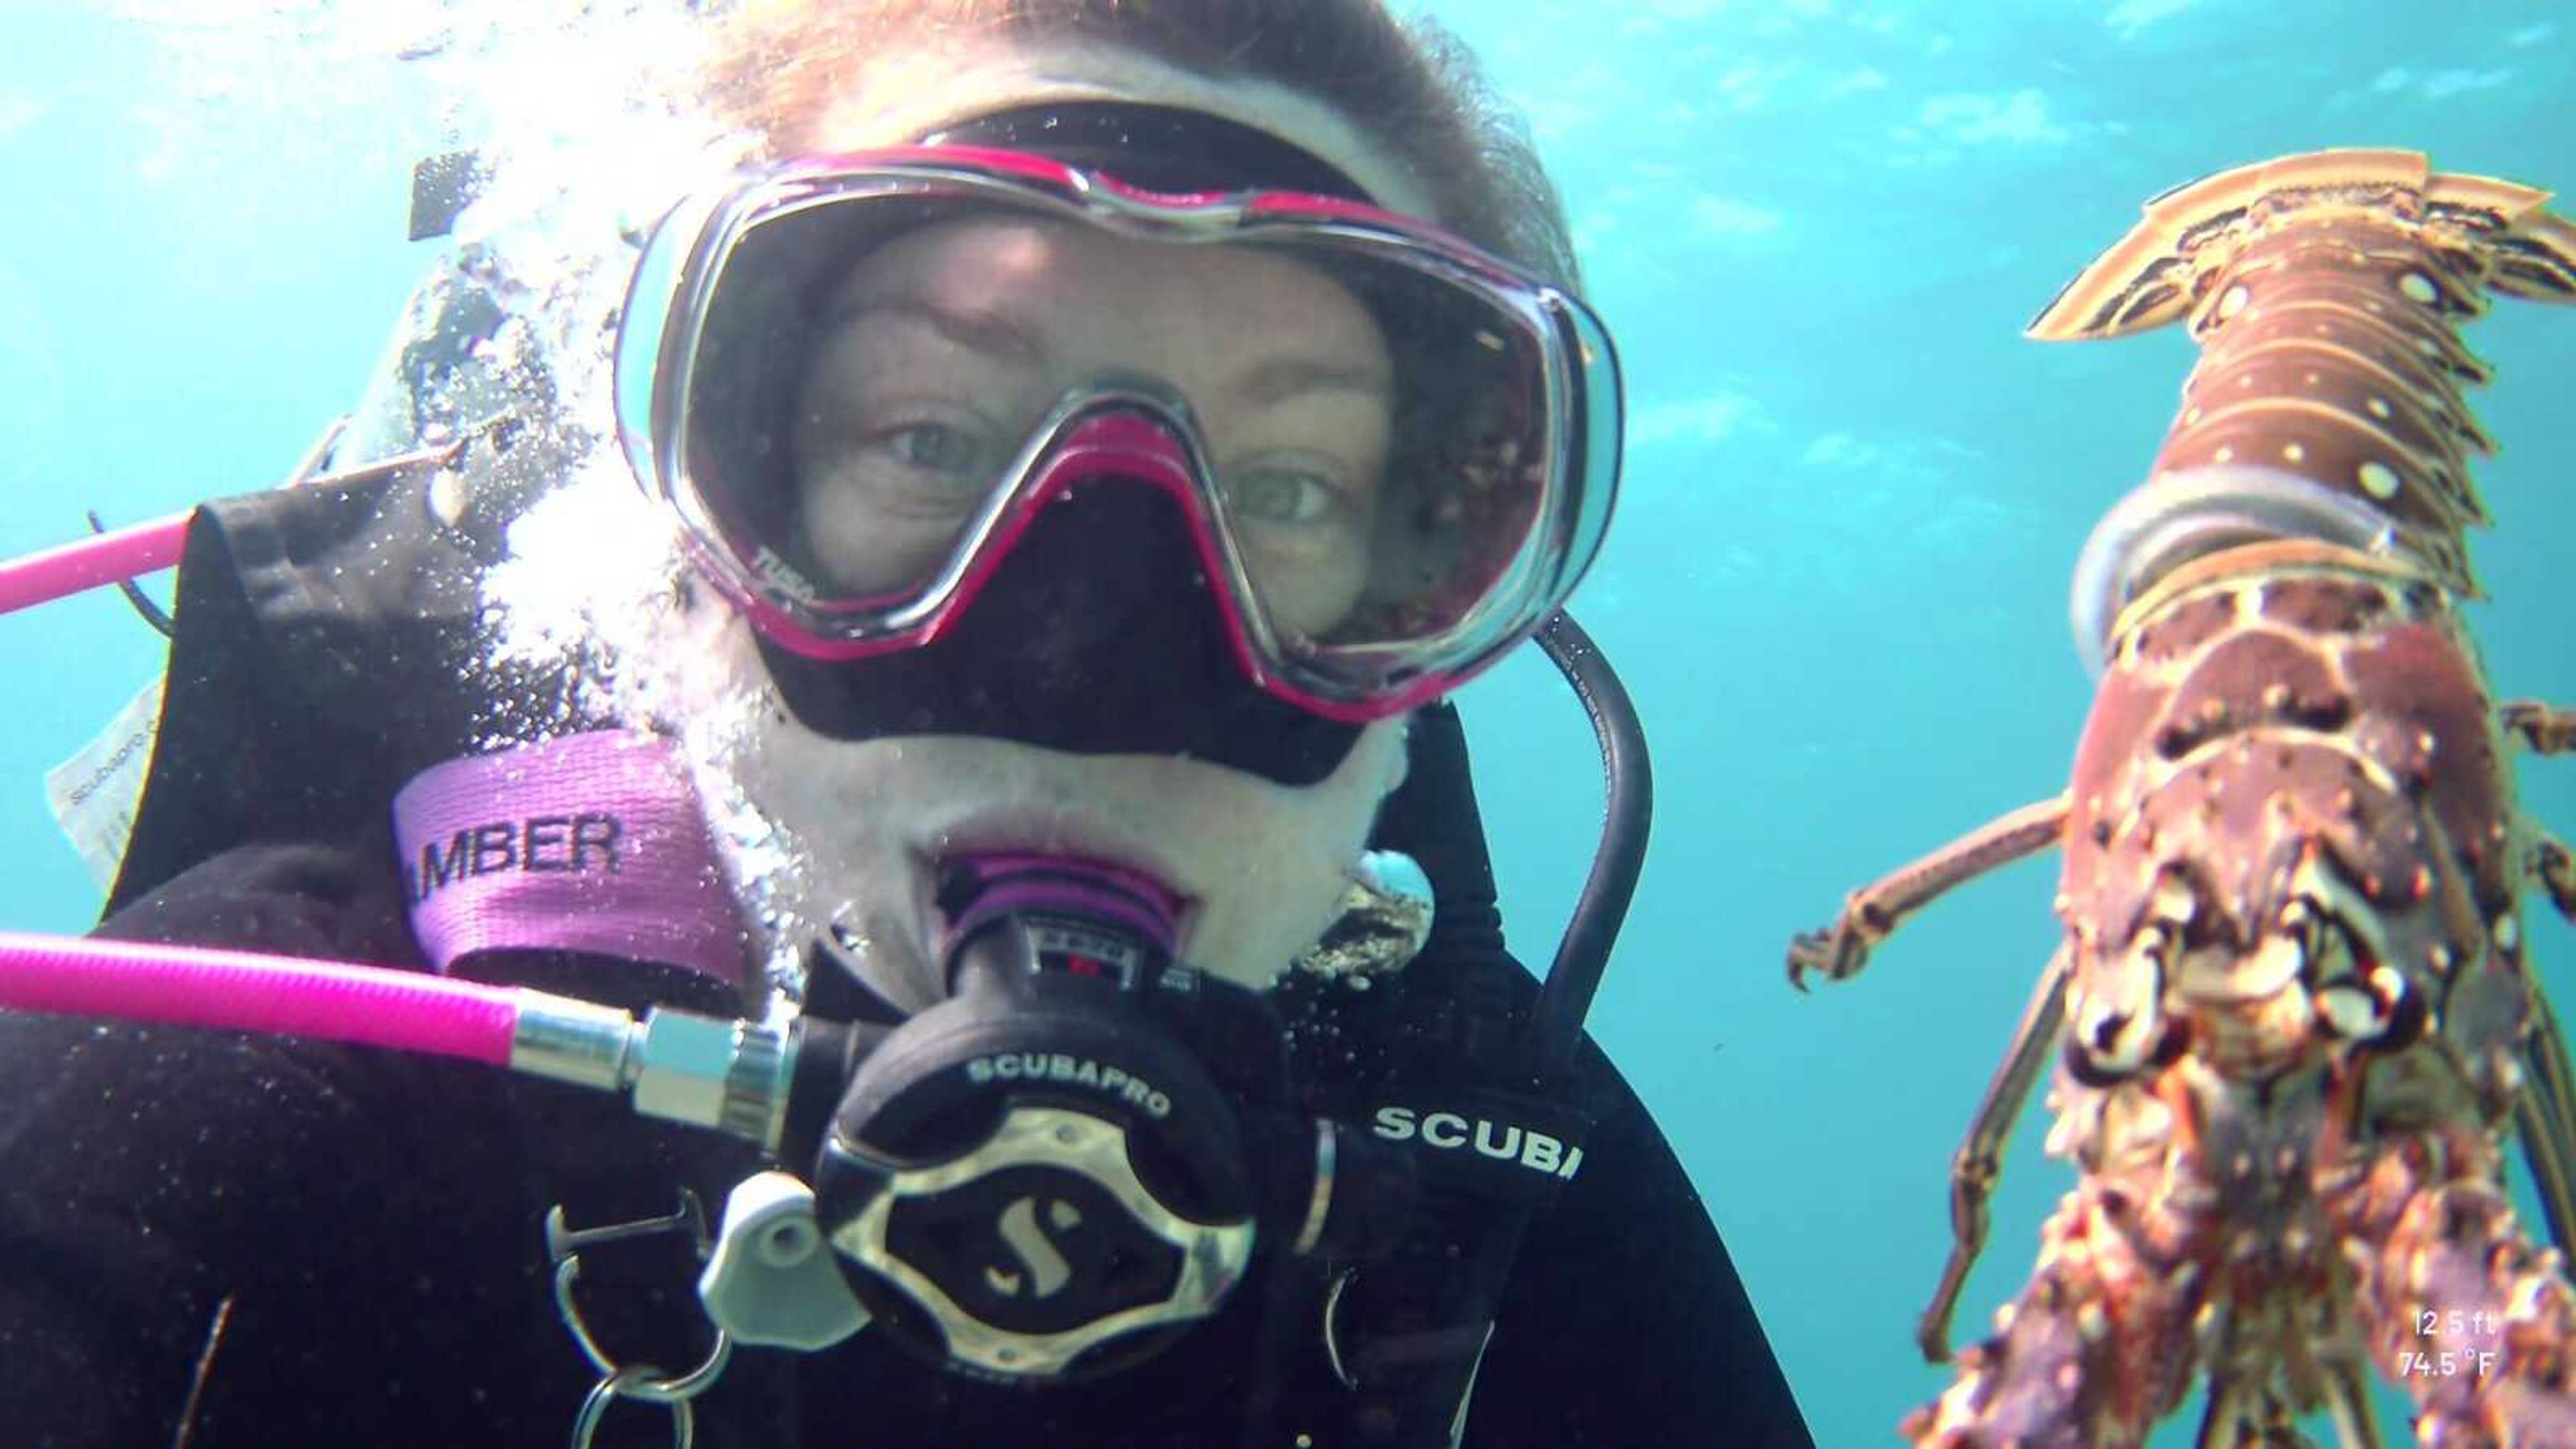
(1836, 586)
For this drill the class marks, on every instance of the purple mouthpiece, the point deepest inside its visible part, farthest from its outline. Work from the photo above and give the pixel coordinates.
(976, 888)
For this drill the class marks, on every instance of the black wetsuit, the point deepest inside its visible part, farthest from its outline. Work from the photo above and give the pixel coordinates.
(287, 1243)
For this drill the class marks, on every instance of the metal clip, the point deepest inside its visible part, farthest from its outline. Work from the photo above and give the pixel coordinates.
(1333, 1326)
(644, 1383)
(1342, 1370)
(565, 1242)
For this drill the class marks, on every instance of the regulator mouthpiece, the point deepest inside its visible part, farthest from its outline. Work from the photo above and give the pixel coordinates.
(1042, 915)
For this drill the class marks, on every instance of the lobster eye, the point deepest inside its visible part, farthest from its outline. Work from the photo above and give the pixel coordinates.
(2117, 1041)
(2116, 1019)
(2102, 1069)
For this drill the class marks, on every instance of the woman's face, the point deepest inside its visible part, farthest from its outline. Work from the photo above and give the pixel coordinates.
(943, 350)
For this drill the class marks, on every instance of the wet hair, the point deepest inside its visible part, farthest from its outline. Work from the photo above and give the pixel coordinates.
(1409, 86)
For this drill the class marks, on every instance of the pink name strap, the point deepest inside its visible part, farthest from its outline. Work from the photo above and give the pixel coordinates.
(592, 842)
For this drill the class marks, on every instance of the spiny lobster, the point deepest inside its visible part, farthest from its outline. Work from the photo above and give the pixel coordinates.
(2294, 1002)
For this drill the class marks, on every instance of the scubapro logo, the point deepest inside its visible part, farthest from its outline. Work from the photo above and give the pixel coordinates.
(1072, 1071)
(1501, 1141)
(1046, 1270)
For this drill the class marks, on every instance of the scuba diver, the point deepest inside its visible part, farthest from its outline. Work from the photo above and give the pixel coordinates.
(1093, 438)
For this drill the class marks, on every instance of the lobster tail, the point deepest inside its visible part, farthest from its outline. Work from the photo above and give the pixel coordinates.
(2326, 293)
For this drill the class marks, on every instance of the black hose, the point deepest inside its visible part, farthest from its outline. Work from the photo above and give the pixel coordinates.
(134, 594)
(1555, 1027)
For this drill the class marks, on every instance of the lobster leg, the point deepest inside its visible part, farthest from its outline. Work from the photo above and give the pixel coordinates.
(2348, 1402)
(2244, 1412)
(1980, 1159)
(2545, 1113)
(2545, 729)
(1873, 912)
(2247, 1410)
(2556, 866)
(2540, 1116)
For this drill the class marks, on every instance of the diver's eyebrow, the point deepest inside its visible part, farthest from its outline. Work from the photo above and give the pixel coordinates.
(987, 332)
(1279, 378)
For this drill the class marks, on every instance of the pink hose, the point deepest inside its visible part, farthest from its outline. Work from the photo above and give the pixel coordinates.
(244, 991)
(126, 553)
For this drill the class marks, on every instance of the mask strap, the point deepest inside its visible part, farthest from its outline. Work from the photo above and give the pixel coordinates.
(1158, 148)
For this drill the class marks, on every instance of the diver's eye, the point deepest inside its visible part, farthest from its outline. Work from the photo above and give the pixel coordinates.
(911, 463)
(1284, 493)
(935, 450)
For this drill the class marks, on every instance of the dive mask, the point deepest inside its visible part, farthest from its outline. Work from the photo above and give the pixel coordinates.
(1399, 518)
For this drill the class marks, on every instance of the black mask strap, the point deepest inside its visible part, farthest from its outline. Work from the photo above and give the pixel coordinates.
(1158, 148)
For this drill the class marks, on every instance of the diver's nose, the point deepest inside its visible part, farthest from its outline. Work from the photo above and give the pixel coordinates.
(1107, 592)
(1100, 633)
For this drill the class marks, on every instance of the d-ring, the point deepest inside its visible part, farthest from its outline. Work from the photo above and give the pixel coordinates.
(625, 1385)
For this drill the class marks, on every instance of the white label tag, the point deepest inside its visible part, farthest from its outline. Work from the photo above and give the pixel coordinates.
(95, 792)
